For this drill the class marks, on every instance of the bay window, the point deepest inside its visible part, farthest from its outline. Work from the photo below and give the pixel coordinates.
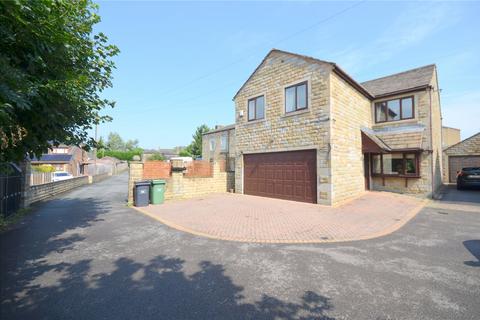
(395, 164)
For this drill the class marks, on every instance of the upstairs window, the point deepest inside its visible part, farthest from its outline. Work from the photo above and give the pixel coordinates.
(394, 110)
(256, 108)
(224, 142)
(296, 97)
(212, 144)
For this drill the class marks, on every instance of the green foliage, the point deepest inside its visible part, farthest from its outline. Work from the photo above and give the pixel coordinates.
(156, 156)
(194, 149)
(121, 155)
(115, 142)
(52, 71)
(6, 222)
(184, 153)
(43, 168)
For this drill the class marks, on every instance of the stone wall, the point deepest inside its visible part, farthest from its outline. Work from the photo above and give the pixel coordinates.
(278, 131)
(350, 111)
(48, 190)
(180, 186)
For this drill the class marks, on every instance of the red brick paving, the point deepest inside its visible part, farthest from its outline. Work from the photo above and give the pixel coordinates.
(257, 219)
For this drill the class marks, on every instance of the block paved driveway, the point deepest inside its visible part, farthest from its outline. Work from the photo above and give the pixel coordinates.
(87, 256)
(259, 219)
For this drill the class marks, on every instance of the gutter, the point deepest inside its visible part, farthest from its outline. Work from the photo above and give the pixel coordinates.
(350, 81)
(429, 88)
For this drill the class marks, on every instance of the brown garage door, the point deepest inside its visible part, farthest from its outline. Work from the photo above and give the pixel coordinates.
(456, 163)
(285, 175)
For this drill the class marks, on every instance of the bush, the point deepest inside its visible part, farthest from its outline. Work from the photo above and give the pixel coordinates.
(43, 168)
(156, 156)
(121, 155)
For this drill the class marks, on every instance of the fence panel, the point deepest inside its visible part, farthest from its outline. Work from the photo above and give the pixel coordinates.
(10, 193)
(37, 178)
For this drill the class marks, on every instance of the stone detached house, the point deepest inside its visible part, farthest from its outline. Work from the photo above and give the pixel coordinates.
(306, 131)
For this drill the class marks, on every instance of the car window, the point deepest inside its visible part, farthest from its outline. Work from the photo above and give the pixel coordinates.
(471, 169)
(61, 174)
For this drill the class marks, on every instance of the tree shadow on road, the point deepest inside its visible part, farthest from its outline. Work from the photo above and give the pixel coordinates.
(36, 283)
(158, 289)
(474, 247)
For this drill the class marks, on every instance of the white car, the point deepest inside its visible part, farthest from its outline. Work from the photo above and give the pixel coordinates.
(61, 175)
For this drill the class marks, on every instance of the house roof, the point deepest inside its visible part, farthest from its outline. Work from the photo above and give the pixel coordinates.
(334, 66)
(224, 128)
(405, 81)
(467, 145)
(53, 158)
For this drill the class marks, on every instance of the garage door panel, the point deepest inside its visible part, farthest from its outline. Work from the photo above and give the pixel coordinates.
(456, 163)
(284, 175)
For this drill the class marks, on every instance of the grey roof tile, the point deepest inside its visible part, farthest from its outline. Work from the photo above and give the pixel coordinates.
(403, 81)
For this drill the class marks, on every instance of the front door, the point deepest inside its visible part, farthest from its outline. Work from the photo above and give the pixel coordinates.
(366, 170)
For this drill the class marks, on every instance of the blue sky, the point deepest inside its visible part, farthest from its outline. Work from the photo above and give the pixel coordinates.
(181, 63)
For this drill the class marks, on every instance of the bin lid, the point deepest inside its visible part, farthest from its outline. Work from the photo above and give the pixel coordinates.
(142, 183)
(158, 181)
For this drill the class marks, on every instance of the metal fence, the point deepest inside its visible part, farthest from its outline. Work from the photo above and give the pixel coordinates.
(37, 178)
(10, 192)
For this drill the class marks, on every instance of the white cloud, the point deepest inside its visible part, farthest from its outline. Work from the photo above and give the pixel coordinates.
(409, 29)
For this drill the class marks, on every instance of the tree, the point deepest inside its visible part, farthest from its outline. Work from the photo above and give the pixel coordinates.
(195, 147)
(52, 71)
(131, 144)
(156, 156)
(115, 142)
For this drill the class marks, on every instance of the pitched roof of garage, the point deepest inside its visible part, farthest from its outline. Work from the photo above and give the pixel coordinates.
(469, 146)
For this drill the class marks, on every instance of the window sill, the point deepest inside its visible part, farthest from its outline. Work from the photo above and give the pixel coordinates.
(396, 176)
(254, 121)
(296, 113)
(387, 123)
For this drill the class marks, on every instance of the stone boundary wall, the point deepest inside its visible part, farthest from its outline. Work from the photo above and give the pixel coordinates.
(181, 186)
(48, 190)
(98, 177)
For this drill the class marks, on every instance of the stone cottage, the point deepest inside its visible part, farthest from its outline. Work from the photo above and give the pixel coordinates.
(307, 131)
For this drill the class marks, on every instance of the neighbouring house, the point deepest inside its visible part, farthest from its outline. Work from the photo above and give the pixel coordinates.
(72, 159)
(220, 144)
(463, 154)
(307, 131)
(450, 136)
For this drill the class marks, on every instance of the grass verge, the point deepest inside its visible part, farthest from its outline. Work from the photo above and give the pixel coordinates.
(6, 222)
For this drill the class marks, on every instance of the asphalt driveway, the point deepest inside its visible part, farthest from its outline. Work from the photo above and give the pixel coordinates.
(87, 256)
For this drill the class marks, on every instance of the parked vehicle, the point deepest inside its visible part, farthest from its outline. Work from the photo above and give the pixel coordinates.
(468, 177)
(61, 175)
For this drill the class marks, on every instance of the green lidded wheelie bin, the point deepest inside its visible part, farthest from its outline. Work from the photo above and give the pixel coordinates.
(157, 191)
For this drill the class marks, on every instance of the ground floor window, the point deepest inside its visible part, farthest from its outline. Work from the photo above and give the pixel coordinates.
(395, 164)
